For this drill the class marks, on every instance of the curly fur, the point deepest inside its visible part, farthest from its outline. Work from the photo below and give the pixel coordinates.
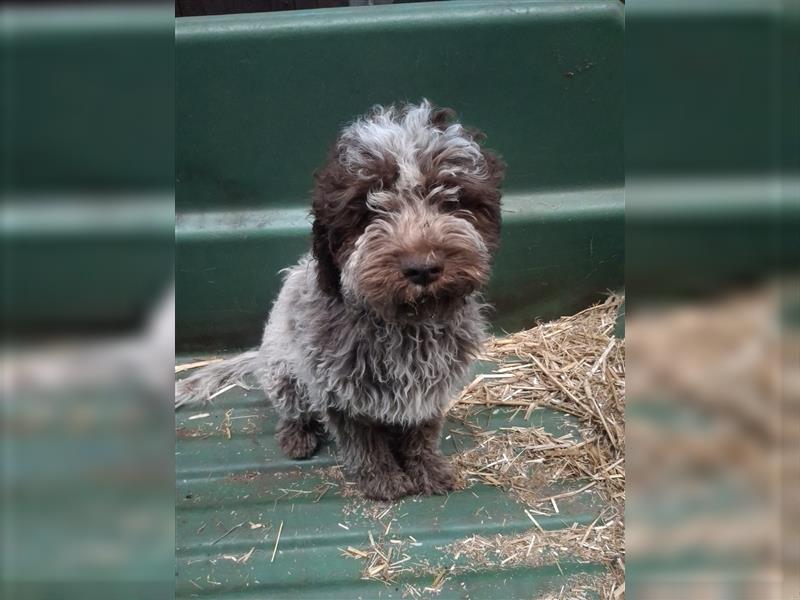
(353, 344)
(319, 353)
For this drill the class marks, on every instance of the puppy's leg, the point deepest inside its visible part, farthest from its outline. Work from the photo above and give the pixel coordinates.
(298, 432)
(423, 461)
(298, 438)
(366, 449)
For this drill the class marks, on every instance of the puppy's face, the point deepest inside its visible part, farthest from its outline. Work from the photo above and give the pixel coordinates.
(407, 213)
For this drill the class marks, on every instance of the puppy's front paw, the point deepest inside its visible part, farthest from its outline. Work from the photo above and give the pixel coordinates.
(296, 440)
(431, 474)
(385, 485)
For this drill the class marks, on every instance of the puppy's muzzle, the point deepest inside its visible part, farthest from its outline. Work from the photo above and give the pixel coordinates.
(421, 270)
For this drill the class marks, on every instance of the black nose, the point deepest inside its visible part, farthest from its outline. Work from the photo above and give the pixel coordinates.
(422, 272)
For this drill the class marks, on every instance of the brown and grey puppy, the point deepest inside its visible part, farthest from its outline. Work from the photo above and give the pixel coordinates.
(373, 332)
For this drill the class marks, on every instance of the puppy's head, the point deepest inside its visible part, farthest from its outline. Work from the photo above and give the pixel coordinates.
(406, 213)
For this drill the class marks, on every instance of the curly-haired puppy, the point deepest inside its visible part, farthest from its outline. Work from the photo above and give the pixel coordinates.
(373, 332)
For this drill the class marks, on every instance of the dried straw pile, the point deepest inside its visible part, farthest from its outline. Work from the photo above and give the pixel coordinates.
(576, 366)
(573, 365)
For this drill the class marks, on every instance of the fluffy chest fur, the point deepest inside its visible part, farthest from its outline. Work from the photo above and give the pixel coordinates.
(353, 361)
(398, 374)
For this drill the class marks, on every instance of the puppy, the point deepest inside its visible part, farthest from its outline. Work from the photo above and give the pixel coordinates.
(373, 332)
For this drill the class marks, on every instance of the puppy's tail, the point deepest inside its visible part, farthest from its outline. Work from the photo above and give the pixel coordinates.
(201, 385)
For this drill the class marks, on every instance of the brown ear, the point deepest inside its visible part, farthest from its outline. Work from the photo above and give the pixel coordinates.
(327, 271)
(483, 198)
(495, 166)
(497, 170)
(334, 221)
(321, 209)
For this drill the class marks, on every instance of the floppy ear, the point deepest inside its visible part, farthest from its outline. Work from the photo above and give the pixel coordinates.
(495, 166)
(492, 195)
(327, 271)
(483, 196)
(330, 191)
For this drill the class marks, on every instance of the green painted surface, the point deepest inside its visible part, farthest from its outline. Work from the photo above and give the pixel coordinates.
(86, 165)
(106, 258)
(111, 71)
(685, 91)
(222, 482)
(710, 204)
